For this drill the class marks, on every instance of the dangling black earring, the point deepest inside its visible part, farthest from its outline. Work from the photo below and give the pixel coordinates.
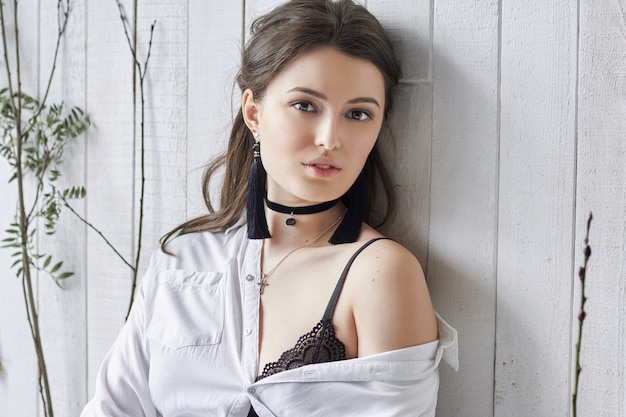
(255, 207)
(355, 200)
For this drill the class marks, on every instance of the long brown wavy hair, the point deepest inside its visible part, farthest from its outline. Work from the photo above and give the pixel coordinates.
(277, 38)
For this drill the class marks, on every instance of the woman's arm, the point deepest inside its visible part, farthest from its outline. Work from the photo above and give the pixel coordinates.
(392, 307)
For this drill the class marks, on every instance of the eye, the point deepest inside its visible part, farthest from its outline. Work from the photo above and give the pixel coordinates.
(359, 115)
(304, 106)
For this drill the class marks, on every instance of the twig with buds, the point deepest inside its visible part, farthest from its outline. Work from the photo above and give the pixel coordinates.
(582, 272)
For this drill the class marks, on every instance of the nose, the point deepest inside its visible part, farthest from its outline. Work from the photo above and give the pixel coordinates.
(327, 135)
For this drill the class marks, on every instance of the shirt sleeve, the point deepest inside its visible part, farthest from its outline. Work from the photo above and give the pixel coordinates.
(122, 383)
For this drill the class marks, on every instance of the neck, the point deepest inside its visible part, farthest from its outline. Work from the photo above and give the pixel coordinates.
(312, 209)
(307, 227)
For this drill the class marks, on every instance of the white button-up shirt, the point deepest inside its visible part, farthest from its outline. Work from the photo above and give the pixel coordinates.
(190, 348)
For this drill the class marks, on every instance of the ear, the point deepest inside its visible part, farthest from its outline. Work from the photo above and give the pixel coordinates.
(250, 110)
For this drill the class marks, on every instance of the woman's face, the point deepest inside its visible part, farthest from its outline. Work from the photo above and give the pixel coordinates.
(318, 121)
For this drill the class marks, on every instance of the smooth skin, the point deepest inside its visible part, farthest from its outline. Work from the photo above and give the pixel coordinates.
(318, 121)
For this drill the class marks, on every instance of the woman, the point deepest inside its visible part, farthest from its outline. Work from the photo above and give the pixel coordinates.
(299, 307)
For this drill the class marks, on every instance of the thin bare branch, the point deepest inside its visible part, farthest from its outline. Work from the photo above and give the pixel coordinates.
(7, 62)
(95, 229)
(63, 18)
(582, 274)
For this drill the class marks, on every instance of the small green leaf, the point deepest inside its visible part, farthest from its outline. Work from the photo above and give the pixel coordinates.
(65, 275)
(54, 175)
(56, 267)
(47, 261)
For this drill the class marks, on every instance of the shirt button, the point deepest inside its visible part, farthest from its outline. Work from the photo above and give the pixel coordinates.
(249, 277)
(251, 390)
(248, 331)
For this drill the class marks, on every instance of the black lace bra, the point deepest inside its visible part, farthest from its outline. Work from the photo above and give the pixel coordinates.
(320, 344)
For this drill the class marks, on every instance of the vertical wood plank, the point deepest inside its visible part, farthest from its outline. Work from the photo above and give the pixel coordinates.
(215, 36)
(407, 153)
(461, 256)
(407, 156)
(110, 159)
(63, 312)
(18, 377)
(165, 95)
(408, 25)
(256, 8)
(601, 188)
(538, 73)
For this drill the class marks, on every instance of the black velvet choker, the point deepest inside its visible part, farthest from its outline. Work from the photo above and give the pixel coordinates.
(316, 208)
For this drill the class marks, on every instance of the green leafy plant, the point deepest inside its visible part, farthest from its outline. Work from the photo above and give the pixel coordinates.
(34, 136)
(35, 154)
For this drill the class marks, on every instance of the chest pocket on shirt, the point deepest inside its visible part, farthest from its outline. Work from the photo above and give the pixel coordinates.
(188, 309)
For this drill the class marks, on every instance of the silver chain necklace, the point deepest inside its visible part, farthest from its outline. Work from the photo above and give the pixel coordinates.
(264, 275)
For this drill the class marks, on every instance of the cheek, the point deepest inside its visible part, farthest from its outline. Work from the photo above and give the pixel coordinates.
(279, 149)
(290, 138)
(285, 134)
(362, 147)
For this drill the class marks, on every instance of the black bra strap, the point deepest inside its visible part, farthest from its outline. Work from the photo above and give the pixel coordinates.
(330, 309)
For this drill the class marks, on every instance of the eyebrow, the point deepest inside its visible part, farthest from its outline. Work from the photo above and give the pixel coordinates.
(323, 97)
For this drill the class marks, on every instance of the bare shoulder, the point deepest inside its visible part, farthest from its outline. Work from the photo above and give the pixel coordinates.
(390, 300)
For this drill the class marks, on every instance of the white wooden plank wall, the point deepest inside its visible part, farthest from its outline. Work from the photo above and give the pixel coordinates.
(166, 121)
(407, 154)
(537, 161)
(601, 187)
(215, 36)
(509, 128)
(461, 255)
(109, 177)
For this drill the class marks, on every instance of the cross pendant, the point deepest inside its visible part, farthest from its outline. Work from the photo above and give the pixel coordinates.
(262, 282)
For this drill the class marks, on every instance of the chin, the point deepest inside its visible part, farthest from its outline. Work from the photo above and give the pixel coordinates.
(308, 192)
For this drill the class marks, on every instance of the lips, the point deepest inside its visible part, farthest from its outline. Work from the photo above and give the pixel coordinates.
(322, 163)
(322, 167)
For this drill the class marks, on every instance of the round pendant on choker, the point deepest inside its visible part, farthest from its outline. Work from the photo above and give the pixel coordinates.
(316, 208)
